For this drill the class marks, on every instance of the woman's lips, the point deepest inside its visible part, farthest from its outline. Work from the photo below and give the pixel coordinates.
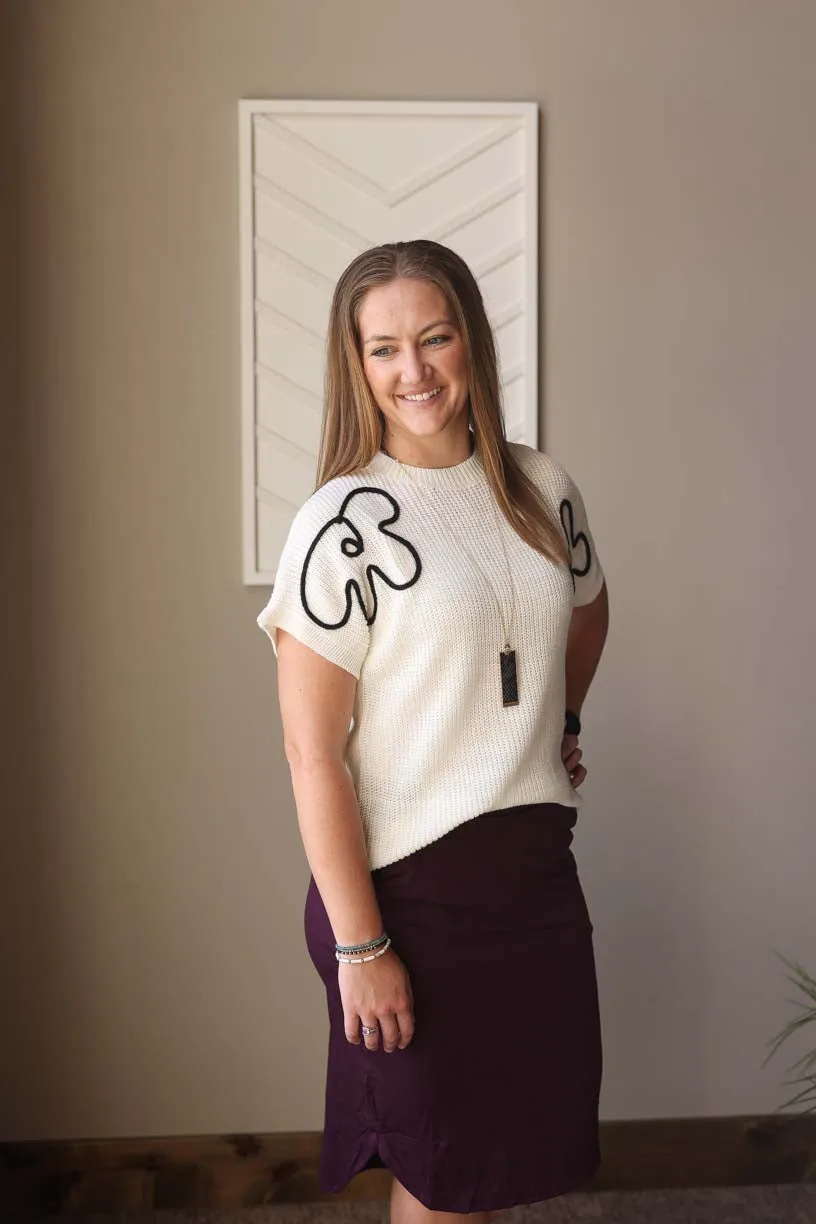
(421, 402)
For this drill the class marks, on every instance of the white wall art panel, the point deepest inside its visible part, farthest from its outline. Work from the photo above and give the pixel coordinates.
(322, 181)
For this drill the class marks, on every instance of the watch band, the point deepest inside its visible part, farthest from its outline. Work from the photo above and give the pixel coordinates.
(572, 723)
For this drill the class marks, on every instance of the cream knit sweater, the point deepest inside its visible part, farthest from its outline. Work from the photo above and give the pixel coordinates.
(374, 577)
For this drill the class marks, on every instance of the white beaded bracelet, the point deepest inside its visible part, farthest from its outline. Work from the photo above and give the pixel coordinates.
(362, 960)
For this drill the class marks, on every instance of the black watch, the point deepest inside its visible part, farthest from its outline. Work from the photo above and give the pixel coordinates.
(572, 723)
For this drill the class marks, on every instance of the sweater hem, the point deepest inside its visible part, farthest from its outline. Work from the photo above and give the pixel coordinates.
(377, 862)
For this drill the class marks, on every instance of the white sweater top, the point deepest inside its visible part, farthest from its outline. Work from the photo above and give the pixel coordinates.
(374, 576)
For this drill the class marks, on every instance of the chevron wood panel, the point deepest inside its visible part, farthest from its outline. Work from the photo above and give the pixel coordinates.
(321, 182)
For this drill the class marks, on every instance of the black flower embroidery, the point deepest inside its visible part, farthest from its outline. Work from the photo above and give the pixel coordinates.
(352, 544)
(574, 539)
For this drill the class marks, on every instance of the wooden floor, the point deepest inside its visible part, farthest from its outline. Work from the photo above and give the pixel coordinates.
(745, 1205)
(217, 1173)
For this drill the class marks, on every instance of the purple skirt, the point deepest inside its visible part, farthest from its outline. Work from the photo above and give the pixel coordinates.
(495, 1101)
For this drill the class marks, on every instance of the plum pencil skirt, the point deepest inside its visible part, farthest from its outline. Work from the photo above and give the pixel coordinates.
(495, 1101)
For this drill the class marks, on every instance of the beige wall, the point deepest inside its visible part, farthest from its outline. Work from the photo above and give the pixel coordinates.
(152, 922)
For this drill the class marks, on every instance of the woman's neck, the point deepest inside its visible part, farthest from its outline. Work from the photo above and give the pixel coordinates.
(429, 456)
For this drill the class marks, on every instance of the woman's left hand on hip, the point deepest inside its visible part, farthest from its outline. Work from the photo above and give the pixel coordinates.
(571, 756)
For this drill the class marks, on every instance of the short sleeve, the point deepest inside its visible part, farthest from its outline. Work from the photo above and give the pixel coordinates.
(587, 575)
(318, 594)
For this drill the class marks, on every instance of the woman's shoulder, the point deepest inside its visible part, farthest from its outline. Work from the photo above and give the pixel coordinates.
(340, 498)
(547, 473)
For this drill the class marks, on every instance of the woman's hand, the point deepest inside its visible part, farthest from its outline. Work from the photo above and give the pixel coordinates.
(571, 756)
(377, 995)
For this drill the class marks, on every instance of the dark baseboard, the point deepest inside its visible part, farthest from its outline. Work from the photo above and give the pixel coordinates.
(234, 1171)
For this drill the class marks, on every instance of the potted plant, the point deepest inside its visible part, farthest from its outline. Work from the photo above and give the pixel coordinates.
(805, 1067)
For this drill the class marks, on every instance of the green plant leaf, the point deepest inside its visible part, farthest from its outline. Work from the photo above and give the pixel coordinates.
(806, 985)
(807, 1093)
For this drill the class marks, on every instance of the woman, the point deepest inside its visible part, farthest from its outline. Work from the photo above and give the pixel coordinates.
(438, 614)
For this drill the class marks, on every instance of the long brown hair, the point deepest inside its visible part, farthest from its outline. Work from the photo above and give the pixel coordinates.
(352, 430)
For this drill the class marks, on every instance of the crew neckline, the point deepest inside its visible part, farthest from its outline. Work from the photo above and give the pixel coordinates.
(459, 476)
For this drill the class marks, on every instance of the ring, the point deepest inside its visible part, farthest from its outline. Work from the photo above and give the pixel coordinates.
(367, 1030)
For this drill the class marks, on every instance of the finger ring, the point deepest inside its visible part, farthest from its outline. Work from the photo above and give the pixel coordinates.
(368, 1029)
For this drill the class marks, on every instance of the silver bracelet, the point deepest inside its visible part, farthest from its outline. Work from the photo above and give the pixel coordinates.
(362, 949)
(362, 960)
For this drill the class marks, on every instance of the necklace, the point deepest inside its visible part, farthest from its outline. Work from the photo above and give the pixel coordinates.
(508, 670)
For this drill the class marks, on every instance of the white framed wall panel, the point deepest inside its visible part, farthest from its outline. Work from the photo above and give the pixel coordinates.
(319, 183)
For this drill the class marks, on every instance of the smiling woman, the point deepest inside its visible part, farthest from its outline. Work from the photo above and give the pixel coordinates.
(417, 372)
(438, 614)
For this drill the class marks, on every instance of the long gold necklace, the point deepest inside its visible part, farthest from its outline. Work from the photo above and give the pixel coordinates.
(508, 667)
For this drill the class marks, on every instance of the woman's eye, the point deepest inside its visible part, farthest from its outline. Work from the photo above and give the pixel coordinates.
(386, 350)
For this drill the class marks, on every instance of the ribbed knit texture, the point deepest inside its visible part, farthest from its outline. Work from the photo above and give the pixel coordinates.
(431, 744)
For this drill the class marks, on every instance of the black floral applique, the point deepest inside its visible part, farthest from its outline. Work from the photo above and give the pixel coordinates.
(352, 545)
(574, 539)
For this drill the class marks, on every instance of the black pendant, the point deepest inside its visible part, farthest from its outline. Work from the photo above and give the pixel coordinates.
(509, 677)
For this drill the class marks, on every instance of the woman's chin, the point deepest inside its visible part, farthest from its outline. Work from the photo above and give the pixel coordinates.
(431, 423)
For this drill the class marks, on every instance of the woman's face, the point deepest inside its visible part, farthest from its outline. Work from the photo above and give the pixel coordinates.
(415, 360)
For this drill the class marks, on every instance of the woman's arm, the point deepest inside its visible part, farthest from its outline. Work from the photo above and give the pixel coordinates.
(585, 642)
(316, 702)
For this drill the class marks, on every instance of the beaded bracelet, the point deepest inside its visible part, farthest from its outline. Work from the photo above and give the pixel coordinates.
(354, 949)
(362, 960)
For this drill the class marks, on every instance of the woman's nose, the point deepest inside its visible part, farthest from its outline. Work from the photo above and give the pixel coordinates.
(413, 367)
